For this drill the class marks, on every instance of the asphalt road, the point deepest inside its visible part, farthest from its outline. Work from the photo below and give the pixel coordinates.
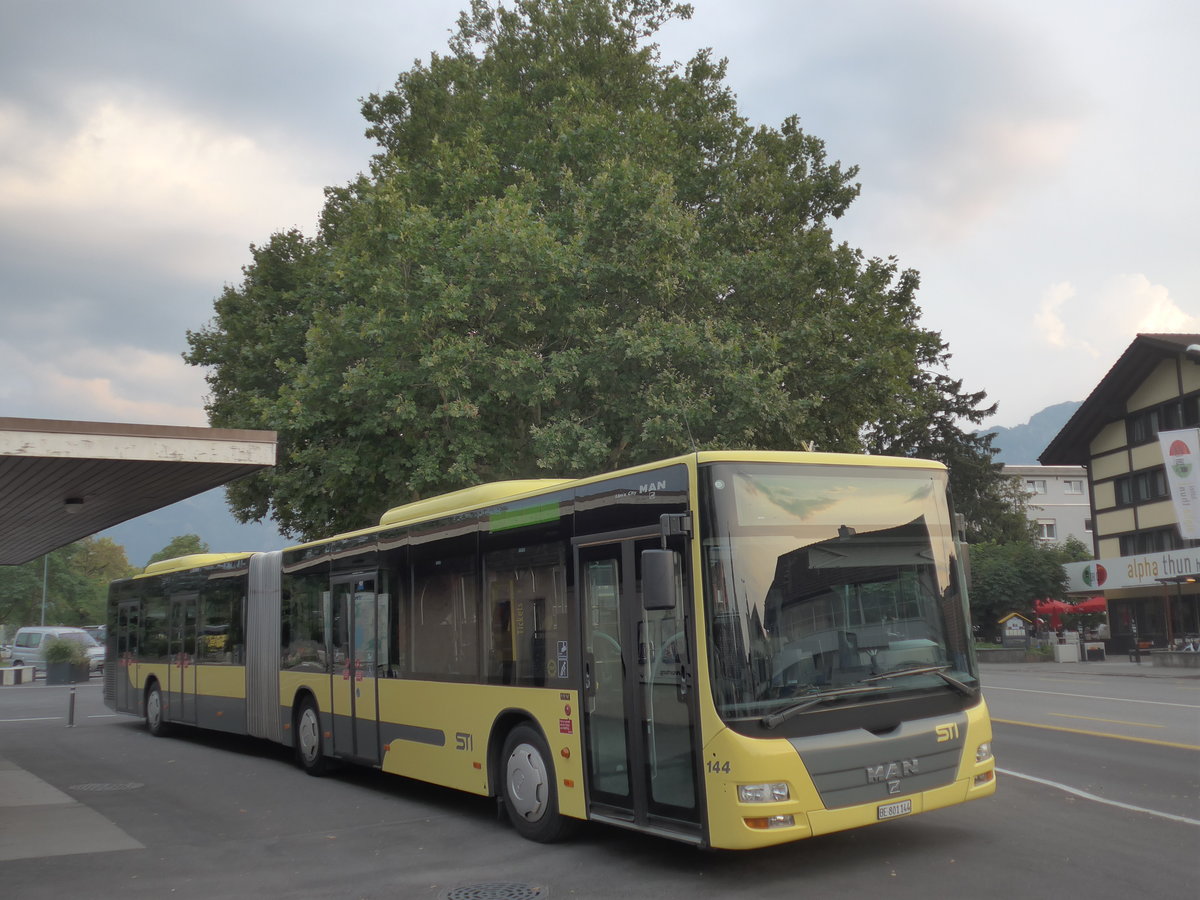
(203, 816)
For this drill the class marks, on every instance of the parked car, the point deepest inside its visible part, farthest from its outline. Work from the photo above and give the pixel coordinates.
(29, 645)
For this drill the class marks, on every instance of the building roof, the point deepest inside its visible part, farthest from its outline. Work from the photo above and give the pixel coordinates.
(1107, 401)
(62, 481)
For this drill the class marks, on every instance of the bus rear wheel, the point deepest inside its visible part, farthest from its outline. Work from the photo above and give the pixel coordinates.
(310, 743)
(530, 790)
(156, 724)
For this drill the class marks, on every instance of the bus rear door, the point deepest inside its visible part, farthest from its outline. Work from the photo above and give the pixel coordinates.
(181, 655)
(124, 667)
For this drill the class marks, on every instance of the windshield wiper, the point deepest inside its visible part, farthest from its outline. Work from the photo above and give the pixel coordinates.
(939, 671)
(775, 719)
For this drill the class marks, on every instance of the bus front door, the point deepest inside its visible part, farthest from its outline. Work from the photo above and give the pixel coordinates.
(182, 656)
(356, 664)
(639, 712)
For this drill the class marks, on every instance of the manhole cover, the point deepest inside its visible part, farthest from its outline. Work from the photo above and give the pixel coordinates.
(496, 891)
(99, 787)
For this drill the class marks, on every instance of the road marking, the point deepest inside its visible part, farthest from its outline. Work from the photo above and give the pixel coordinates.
(992, 687)
(1110, 721)
(34, 719)
(1086, 796)
(1101, 734)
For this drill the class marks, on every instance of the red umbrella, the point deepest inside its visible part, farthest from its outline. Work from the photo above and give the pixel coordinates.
(1052, 609)
(1091, 605)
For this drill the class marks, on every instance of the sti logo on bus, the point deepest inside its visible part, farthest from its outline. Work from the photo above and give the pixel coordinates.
(948, 732)
(892, 773)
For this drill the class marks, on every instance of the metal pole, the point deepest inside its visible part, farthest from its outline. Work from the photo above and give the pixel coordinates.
(45, 581)
(71, 709)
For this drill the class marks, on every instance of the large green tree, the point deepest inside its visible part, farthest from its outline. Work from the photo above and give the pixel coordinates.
(73, 580)
(567, 256)
(180, 545)
(1012, 576)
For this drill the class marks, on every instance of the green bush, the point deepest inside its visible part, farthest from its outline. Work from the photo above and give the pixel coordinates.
(62, 650)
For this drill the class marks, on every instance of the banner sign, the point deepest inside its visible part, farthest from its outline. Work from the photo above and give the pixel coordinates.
(1181, 456)
(1143, 570)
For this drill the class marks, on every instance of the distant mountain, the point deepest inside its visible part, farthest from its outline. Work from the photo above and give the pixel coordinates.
(206, 515)
(1022, 444)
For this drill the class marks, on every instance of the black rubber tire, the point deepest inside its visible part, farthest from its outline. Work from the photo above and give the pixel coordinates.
(530, 789)
(156, 723)
(309, 739)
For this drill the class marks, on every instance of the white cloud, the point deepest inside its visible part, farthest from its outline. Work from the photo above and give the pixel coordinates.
(111, 384)
(1048, 323)
(134, 173)
(1086, 330)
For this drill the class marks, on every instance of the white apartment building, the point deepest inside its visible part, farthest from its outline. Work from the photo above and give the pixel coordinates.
(1059, 501)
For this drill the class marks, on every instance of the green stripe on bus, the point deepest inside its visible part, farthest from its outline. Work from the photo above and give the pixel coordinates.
(529, 515)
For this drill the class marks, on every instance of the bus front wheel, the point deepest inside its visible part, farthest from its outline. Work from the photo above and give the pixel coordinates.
(530, 791)
(310, 743)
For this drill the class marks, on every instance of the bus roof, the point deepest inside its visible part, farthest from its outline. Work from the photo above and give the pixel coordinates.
(192, 561)
(483, 495)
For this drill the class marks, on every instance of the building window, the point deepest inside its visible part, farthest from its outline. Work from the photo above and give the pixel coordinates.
(1144, 426)
(1035, 485)
(1155, 541)
(1087, 524)
(1047, 530)
(1141, 487)
(1073, 487)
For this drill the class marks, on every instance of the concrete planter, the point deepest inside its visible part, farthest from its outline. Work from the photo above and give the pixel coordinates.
(1066, 653)
(17, 675)
(67, 673)
(1175, 659)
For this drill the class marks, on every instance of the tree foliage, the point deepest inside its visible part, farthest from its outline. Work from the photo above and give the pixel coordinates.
(180, 545)
(75, 580)
(1011, 577)
(567, 256)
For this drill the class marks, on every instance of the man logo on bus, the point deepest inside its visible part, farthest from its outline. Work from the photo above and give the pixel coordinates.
(892, 773)
(652, 488)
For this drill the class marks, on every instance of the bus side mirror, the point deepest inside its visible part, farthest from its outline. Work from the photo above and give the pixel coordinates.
(660, 579)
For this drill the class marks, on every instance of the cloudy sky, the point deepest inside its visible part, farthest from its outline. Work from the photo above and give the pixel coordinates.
(1035, 160)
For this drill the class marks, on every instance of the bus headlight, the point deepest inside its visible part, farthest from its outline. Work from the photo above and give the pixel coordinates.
(983, 752)
(763, 793)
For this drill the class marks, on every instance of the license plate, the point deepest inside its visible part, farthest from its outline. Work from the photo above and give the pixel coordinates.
(891, 810)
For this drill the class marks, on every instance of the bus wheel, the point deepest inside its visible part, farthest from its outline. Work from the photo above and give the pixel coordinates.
(530, 792)
(310, 745)
(155, 723)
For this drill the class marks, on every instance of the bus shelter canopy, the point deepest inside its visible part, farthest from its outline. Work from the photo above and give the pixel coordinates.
(63, 481)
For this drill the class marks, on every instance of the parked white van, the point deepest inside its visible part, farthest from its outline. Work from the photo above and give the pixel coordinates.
(29, 645)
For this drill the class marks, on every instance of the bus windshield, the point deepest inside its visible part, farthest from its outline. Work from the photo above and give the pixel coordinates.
(830, 583)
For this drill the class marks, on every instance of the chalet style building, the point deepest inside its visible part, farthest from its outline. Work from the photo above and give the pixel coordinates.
(1138, 436)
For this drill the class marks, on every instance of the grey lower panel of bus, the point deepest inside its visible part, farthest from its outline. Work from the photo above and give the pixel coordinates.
(215, 713)
(388, 731)
(853, 767)
(391, 731)
(262, 646)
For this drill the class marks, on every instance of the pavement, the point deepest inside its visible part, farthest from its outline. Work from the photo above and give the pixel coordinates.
(38, 820)
(1113, 665)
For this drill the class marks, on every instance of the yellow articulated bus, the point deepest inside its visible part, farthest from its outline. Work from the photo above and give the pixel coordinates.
(728, 649)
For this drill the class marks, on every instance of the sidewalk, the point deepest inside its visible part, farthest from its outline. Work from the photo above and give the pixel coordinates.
(1111, 666)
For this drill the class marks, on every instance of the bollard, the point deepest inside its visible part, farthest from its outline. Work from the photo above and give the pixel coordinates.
(71, 709)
